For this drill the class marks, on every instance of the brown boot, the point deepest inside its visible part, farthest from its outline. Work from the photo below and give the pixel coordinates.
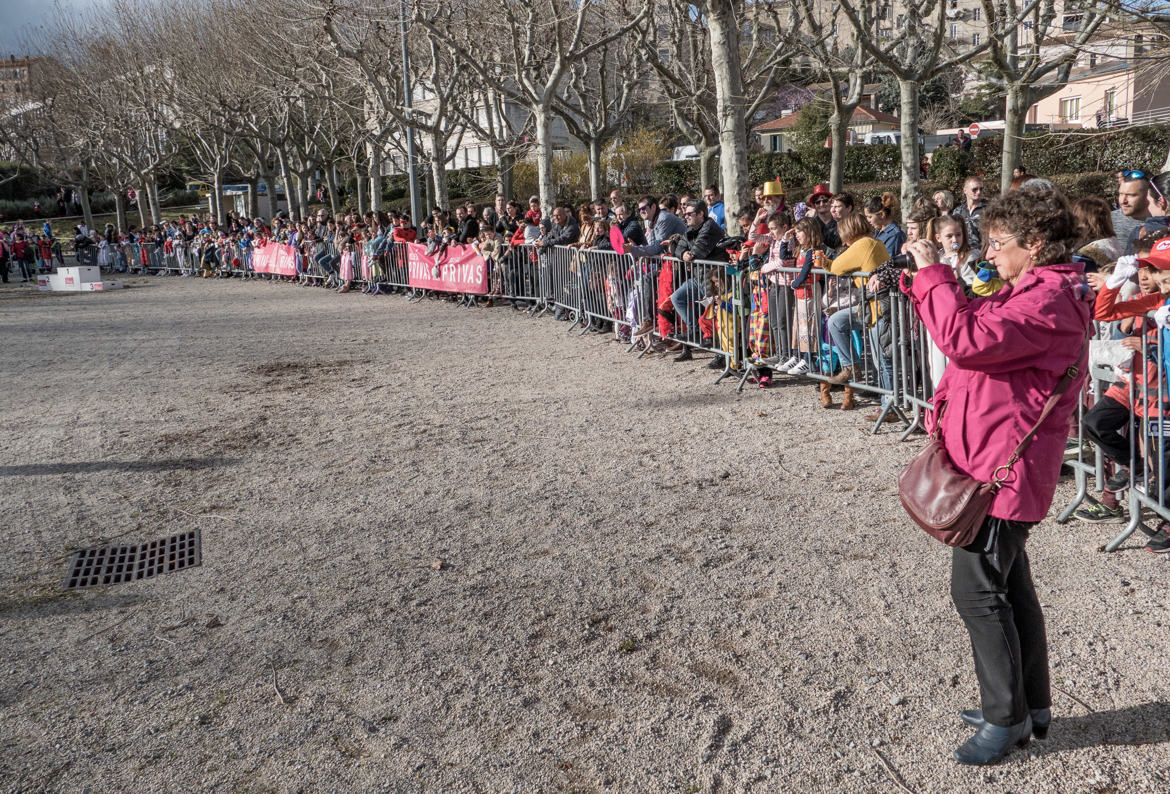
(826, 395)
(847, 404)
(844, 376)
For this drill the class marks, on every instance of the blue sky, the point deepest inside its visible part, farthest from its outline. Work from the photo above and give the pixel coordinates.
(20, 18)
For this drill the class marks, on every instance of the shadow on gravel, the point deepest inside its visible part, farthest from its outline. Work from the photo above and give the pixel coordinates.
(86, 467)
(64, 602)
(1148, 723)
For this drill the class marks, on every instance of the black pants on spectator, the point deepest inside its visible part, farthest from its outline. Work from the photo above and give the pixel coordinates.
(991, 586)
(1102, 425)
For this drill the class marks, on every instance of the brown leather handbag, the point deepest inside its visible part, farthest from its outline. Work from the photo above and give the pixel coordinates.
(951, 505)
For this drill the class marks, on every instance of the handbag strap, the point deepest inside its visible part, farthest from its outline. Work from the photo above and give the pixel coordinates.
(1070, 374)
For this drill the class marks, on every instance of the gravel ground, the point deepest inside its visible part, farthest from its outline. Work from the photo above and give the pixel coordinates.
(481, 554)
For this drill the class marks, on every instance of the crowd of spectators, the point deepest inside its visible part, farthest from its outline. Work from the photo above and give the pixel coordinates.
(816, 274)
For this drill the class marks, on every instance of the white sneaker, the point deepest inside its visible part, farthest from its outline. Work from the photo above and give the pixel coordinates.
(801, 368)
(791, 362)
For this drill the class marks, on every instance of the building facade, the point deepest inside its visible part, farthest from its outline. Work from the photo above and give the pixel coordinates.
(16, 79)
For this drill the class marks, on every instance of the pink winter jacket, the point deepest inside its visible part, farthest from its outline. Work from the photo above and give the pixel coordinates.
(1007, 353)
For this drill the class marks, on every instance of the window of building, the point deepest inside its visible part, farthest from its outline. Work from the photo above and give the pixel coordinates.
(1109, 105)
(1070, 109)
(954, 31)
(974, 39)
(776, 143)
(976, 13)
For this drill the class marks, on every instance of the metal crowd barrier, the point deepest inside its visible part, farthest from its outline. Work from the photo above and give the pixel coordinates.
(559, 283)
(704, 309)
(1147, 448)
(605, 280)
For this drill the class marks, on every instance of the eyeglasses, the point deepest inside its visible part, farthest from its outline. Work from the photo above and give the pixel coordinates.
(689, 213)
(643, 207)
(996, 245)
(822, 201)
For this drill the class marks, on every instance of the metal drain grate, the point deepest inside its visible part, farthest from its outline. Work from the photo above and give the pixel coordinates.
(116, 564)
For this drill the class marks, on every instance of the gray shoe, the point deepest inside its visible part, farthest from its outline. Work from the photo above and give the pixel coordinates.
(992, 742)
(1041, 720)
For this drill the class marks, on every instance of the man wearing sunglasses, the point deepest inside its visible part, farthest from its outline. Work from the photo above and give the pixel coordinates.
(1133, 206)
(700, 243)
(660, 226)
(971, 210)
(1157, 205)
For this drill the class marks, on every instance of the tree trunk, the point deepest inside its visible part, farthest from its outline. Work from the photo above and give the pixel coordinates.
(375, 179)
(269, 193)
(253, 199)
(438, 156)
(505, 173)
(838, 132)
(303, 193)
(119, 210)
(86, 208)
(544, 181)
(707, 154)
(911, 152)
(360, 182)
(286, 177)
(729, 102)
(155, 202)
(331, 185)
(1015, 113)
(596, 189)
(143, 199)
(217, 196)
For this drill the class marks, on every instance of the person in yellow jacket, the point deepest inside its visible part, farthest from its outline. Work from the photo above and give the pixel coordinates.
(846, 314)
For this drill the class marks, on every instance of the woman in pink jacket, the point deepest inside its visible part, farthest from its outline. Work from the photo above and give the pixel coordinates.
(1008, 352)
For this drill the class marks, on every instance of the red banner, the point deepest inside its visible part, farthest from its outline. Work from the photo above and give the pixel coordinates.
(457, 269)
(279, 260)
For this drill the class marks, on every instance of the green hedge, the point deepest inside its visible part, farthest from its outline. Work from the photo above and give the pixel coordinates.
(1080, 163)
(798, 171)
(1067, 155)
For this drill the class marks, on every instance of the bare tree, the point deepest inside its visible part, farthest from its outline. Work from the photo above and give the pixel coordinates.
(744, 77)
(678, 51)
(358, 35)
(1032, 60)
(913, 52)
(843, 62)
(530, 52)
(597, 99)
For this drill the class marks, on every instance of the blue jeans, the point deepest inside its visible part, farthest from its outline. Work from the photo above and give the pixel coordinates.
(685, 300)
(885, 365)
(326, 262)
(841, 325)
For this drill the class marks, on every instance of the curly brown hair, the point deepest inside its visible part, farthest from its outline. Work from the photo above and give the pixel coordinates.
(1034, 216)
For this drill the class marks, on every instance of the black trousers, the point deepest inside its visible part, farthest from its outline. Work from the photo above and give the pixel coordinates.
(1102, 425)
(991, 586)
